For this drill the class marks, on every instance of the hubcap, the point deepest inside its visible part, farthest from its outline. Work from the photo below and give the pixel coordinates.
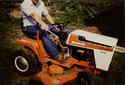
(21, 64)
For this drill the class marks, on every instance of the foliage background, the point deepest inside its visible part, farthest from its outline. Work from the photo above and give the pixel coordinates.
(100, 16)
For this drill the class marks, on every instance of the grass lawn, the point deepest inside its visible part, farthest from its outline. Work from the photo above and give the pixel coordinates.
(10, 31)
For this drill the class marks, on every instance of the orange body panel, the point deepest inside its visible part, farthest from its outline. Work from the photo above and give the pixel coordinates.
(73, 40)
(84, 64)
(68, 62)
(55, 69)
(45, 75)
(36, 46)
(55, 80)
(62, 77)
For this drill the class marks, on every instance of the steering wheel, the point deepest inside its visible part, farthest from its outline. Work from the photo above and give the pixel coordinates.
(61, 26)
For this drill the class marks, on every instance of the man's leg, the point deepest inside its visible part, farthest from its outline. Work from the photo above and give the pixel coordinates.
(32, 30)
(49, 46)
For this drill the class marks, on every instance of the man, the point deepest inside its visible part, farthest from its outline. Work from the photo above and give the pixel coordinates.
(31, 11)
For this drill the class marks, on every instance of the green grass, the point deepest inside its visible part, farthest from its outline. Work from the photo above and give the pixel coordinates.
(10, 31)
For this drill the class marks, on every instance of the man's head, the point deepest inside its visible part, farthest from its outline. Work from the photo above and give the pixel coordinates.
(35, 2)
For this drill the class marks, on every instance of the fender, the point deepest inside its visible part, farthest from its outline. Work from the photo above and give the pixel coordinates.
(35, 45)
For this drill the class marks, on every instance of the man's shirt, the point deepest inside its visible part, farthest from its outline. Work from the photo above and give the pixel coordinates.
(27, 8)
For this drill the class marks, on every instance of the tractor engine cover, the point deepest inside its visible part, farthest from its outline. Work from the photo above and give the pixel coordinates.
(102, 46)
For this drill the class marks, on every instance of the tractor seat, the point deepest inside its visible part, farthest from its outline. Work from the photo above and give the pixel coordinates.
(27, 34)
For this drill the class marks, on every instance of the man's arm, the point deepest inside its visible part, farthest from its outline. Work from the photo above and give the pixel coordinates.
(39, 21)
(27, 9)
(49, 18)
(46, 14)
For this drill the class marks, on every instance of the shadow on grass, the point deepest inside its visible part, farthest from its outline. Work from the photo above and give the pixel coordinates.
(9, 32)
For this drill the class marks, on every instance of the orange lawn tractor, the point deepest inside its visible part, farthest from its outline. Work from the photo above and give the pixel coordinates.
(87, 53)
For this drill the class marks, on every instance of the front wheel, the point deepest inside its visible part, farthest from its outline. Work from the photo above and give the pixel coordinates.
(85, 78)
(25, 63)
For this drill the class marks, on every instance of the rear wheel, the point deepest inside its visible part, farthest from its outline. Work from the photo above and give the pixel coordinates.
(25, 62)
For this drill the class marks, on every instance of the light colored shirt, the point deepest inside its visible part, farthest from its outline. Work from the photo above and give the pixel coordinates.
(27, 8)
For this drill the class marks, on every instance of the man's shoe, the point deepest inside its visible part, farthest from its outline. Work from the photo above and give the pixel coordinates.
(60, 58)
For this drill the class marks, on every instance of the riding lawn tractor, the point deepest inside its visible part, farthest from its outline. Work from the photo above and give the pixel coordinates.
(87, 53)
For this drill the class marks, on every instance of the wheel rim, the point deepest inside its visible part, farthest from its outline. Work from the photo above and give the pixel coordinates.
(21, 64)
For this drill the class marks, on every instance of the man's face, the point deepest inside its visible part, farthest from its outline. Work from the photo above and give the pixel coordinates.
(35, 2)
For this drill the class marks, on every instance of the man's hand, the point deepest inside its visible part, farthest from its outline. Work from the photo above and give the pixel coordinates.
(56, 27)
(44, 27)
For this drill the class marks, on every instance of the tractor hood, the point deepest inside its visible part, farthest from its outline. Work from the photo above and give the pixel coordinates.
(102, 46)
